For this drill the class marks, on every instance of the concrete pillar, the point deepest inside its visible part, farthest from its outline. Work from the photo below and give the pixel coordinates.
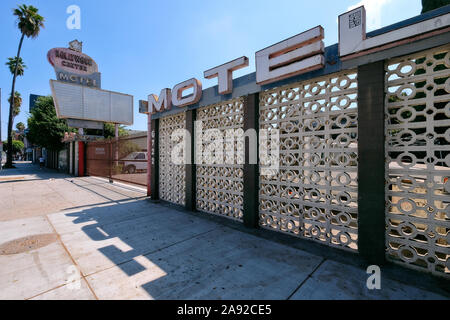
(251, 172)
(155, 160)
(190, 166)
(371, 163)
(75, 173)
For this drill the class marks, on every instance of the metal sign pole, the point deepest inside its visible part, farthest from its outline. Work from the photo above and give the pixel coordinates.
(116, 149)
(149, 153)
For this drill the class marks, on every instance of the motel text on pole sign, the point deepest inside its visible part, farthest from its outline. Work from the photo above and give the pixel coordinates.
(299, 54)
(77, 92)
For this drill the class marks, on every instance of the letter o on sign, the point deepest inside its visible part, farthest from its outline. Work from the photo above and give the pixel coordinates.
(177, 93)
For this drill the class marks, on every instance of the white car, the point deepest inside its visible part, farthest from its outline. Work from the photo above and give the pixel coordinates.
(134, 162)
(3, 158)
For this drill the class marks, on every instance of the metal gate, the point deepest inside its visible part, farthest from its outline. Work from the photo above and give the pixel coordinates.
(417, 110)
(314, 193)
(123, 160)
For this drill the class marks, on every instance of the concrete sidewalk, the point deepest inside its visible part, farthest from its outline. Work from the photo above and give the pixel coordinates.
(54, 227)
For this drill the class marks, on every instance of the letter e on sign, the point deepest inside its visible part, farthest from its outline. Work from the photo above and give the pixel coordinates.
(299, 54)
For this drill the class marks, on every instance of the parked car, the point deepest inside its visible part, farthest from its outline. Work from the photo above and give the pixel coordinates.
(134, 162)
(3, 158)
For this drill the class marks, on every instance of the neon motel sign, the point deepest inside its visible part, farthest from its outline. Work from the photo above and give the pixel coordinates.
(299, 54)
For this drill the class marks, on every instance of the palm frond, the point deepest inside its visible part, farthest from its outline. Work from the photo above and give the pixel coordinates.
(28, 20)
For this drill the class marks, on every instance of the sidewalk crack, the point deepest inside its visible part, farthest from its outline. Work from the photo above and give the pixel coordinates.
(306, 279)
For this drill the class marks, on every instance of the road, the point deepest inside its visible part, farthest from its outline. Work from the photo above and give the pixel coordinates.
(83, 238)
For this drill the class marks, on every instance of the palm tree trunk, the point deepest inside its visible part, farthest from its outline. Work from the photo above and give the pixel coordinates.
(11, 108)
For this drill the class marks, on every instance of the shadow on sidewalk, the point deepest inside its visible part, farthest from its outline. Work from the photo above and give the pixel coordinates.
(175, 255)
(172, 254)
(27, 168)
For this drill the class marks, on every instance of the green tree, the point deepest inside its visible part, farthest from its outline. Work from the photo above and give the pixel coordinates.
(109, 130)
(29, 23)
(20, 130)
(44, 128)
(428, 5)
(18, 146)
(12, 62)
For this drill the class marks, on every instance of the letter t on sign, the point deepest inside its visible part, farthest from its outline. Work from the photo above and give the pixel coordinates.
(299, 54)
(225, 73)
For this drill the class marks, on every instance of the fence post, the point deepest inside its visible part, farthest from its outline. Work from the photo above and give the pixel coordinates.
(154, 185)
(190, 166)
(110, 144)
(68, 157)
(149, 154)
(371, 162)
(251, 172)
(73, 158)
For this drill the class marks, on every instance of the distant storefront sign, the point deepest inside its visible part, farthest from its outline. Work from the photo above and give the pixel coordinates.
(100, 151)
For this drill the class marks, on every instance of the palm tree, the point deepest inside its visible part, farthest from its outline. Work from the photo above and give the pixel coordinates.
(17, 104)
(20, 126)
(29, 23)
(12, 65)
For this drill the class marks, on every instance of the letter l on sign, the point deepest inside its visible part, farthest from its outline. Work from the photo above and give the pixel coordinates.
(299, 54)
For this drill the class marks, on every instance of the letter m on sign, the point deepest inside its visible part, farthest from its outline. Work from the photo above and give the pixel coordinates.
(299, 54)
(161, 103)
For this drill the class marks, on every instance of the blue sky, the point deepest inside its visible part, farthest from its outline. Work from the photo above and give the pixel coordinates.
(142, 46)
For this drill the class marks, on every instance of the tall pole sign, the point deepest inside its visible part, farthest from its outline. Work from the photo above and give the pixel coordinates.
(77, 91)
(73, 66)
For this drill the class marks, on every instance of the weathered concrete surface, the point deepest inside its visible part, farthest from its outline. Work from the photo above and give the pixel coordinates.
(30, 273)
(29, 191)
(126, 247)
(337, 281)
(220, 264)
(107, 243)
(64, 293)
